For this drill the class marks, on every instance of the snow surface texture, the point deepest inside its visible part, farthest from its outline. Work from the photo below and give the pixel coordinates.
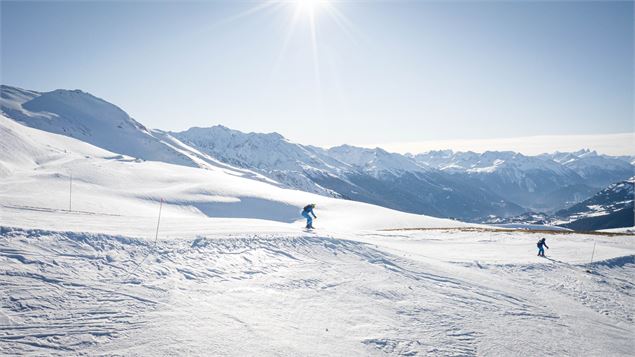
(232, 272)
(380, 293)
(241, 285)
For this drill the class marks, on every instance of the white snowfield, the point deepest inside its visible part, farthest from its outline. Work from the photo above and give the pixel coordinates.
(232, 272)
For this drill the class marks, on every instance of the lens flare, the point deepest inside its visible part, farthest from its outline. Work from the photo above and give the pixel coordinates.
(304, 13)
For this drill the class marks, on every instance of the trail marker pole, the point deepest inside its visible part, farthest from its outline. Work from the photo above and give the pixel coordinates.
(156, 235)
(593, 253)
(70, 192)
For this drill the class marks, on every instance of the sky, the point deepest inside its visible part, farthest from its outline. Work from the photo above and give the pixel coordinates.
(406, 75)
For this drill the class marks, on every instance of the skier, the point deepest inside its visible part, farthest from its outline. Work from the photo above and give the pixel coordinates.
(541, 247)
(306, 213)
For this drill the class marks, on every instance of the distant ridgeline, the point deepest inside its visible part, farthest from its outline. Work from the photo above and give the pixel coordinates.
(580, 190)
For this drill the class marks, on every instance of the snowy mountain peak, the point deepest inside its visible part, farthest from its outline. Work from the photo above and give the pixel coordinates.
(81, 115)
(487, 161)
(81, 107)
(376, 161)
(270, 154)
(442, 182)
(73, 109)
(223, 131)
(586, 153)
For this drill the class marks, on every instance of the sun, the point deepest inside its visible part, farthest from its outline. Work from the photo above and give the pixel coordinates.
(305, 15)
(310, 7)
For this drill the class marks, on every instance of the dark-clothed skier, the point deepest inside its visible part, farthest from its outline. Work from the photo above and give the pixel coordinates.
(542, 244)
(306, 213)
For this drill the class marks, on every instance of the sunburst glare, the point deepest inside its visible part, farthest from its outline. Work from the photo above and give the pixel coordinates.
(311, 7)
(303, 13)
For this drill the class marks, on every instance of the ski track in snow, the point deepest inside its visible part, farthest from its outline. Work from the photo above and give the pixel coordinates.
(298, 294)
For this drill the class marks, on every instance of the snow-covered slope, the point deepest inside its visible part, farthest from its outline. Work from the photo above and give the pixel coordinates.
(80, 115)
(238, 147)
(228, 270)
(383, 178)
(37, 165)
(368, 175)
(271, 154)
(271, 294)
(612, 207)
(467, 186)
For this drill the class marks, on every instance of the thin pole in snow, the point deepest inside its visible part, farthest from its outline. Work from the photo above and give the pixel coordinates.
(156, 235)
(70, 192)
(147, 254)
(592, 254)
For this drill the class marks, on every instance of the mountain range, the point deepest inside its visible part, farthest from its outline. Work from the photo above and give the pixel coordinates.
(609, 208)
(612, 207)
(464, 185)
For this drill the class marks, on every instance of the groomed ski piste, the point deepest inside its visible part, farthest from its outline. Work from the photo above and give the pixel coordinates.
(231, 271)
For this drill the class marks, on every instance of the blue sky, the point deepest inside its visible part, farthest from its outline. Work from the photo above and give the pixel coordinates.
(370, 73)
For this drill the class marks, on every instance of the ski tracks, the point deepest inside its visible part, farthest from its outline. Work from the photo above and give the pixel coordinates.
(282, 294)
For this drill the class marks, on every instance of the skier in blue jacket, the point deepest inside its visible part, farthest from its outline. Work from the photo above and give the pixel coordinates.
(306, 213)
(541, 247)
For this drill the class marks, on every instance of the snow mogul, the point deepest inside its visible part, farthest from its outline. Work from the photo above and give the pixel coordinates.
(541, 247)
(306, 213)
